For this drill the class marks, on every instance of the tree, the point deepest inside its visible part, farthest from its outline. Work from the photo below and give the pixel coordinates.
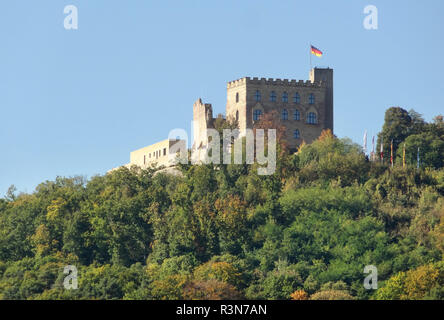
(397, 126)
(210, 290)
(221, 271)
(329, 158)
(270, 120)
(332, 295)
(420, 283)
(11, 193)
(431, 150)
(299, 295)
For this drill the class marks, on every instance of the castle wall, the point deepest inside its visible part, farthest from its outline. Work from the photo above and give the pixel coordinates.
(157, 154)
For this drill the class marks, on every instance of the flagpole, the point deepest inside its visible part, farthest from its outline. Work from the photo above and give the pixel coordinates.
(382, 151)
(417, 159)
(309, 52)
(391, 153)
(403, 156)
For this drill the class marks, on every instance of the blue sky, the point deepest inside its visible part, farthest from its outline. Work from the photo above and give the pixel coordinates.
(77, 102)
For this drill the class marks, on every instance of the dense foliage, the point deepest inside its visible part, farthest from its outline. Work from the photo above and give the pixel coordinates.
(224, 232)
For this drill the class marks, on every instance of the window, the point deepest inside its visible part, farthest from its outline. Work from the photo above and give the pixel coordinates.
(311, 119)
(164, 151)
(257, 96)
(257, 114)
(297, 98)
(273, 96)
(144, 159)
(285, 97)
(284, 114)
(296, 134)
(149, 156)
(311, 98)
(296, 115)
(237, 115)
(237, 97)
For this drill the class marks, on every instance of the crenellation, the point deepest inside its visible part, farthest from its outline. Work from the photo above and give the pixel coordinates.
(238, 82)
(275, 82)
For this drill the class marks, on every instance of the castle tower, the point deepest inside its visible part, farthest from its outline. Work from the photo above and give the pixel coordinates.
(202, 120)
(236, 108)
(326, 76)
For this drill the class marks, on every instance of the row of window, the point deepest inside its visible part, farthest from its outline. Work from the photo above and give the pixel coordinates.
(311, 116)
(155, 154)
(284, 98)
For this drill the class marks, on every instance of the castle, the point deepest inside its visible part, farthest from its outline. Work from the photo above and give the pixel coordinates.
(304, 108)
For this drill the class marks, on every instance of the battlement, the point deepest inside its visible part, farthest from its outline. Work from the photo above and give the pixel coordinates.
(274, 82)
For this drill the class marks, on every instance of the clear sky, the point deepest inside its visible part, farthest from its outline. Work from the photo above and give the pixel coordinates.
(77, 102)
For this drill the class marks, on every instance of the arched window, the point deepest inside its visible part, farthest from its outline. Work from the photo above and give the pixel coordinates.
(297, 98)
(311, 98)
(257, 96)
(311, 119)
(257, 114)
(296, 134)
(284, 114)
(285, 97)
(237, 115)
(273, 96)
(296, 115)
(237, 97)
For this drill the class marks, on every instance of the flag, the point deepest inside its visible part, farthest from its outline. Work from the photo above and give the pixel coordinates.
(365, 142)
(316, 51)
(391, 153)
(417, 165)
(382, 150)
(403, 156)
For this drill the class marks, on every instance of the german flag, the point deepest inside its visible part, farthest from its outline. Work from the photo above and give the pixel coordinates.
(316, 51)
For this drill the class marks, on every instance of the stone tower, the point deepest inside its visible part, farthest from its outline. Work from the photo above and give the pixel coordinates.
(325, 76)
(305, 108)
(202, 120)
